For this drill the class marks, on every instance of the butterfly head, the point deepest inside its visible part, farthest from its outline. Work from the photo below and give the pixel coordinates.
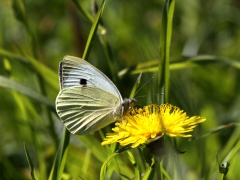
(124, 108)
(128, 104)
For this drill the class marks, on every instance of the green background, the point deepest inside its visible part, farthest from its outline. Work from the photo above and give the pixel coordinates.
(204, 79)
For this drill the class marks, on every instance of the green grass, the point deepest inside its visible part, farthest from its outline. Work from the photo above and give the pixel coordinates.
(190, 48)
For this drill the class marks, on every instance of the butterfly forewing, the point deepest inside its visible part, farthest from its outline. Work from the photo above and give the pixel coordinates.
(74, 71)
(85, 109)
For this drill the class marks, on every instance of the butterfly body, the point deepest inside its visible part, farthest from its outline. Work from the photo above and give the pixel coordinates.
(88, 99)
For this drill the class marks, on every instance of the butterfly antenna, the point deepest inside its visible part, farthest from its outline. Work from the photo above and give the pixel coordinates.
(147, 95)
(142, 85)
(140, 96)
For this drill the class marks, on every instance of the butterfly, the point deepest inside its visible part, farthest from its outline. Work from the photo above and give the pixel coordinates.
(88, 100)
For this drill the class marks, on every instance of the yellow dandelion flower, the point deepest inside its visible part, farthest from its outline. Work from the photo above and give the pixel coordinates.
(152, 122)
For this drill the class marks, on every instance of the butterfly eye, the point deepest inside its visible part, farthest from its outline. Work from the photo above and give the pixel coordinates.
(83, 82)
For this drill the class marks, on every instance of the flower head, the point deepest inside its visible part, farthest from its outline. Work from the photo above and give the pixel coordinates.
(152, 122)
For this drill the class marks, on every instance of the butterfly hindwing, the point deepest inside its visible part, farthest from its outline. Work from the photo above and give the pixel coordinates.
(85, 109)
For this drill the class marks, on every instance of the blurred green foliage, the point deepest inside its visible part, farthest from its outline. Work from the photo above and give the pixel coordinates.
(36, 35)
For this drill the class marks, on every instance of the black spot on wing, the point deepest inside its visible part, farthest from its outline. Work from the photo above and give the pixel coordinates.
(83, 82)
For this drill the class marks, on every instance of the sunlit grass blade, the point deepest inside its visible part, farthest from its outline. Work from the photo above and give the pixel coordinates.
(215, 130)
(8, 83)
(86, 164)
(94, 146)
(136, 84)
(165, 41)
(32, 169)
(103, 39)
(21, 15)
(164, 172)
(12, 56)
(93, 31)
(87, 14)
(149, 174)
(61, 156)
(104, 166)
(83, 11)
(108, 53)
(149, 66)
(233, 151)
(134, 163)
(47, 74)
(205, 60)
(232, 143)
(192, 62)
(224, 166)
(99, 152)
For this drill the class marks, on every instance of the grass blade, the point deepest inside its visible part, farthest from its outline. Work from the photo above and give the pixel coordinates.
(32, 169)
(61, 156)
(47, 74)
(215, 130)
(8, 83)
(134, 163)
(83, 11)
(192, 62)
(136, 84)
(104, 166)
(93, 144)
(93, 31)
(165, 41)
(149, 174)
(87, 15)
(232, 152)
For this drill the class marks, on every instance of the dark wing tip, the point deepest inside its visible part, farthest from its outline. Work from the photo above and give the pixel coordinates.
(60, 75)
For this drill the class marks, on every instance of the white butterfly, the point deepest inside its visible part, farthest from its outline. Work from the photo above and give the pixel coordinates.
(88, 99)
